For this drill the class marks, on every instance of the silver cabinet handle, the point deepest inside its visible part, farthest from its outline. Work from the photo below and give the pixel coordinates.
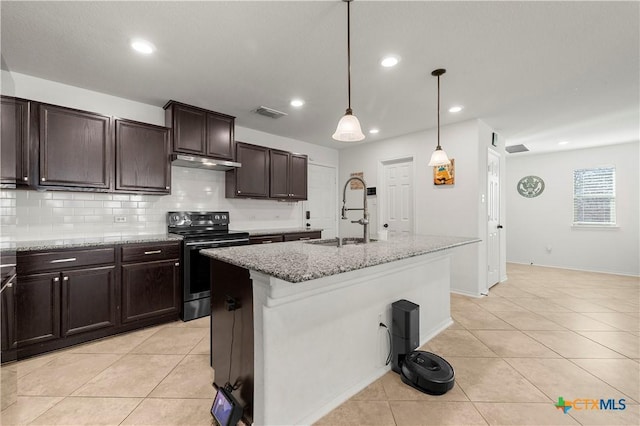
(65, 278)
(56, 279)
(153, 252)
(167, 187)
(239, 192)
(177, 264)
(26, 178)
(9, 283)
(7, 265)
(267, 242)
(69, 259)
(43, 179)
(304, 238)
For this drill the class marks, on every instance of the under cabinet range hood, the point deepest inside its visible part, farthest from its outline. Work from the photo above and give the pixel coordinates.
(202, 162)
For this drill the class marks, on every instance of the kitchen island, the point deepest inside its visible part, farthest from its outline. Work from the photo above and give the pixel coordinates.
(313, 313)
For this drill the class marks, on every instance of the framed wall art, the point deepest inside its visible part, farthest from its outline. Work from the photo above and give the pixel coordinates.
(444, 175)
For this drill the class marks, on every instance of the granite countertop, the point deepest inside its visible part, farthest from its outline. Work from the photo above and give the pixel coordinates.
(60, 243)
(260, 232)
(303, 261)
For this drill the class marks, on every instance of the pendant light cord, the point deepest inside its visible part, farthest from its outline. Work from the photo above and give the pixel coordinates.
(439, 112)
(349, 53)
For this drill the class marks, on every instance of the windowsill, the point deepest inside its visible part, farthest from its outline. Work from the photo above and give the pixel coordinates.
(594, 226)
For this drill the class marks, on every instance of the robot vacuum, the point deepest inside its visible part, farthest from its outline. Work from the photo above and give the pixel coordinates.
(427, 373)
(421, 370)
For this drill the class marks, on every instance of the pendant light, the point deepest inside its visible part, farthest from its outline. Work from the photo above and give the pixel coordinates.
(439, 157)
(348, 129)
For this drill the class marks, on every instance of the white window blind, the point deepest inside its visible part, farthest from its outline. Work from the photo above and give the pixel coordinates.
(594, 196)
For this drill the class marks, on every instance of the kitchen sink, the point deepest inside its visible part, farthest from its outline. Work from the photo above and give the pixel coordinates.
(334, 242)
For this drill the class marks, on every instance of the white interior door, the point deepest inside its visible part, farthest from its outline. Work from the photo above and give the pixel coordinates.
(397, 198)
(321, 199)
(493, 219)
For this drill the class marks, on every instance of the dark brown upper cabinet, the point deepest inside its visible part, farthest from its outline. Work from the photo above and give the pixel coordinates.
(14, 141)
(142, 158)
(75, 149)
(252, 179)
(288, 175)
(201, 132)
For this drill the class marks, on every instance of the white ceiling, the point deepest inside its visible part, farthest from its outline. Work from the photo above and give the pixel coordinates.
(537, 72)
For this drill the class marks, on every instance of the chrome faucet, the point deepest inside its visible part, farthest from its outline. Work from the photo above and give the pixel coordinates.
(364, 220)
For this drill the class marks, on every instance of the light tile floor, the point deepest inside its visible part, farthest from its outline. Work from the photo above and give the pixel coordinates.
(542, 334)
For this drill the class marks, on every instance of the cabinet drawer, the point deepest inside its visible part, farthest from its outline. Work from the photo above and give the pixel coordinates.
(266, 239)
(150, 252)
(303, 236)
(64, 259)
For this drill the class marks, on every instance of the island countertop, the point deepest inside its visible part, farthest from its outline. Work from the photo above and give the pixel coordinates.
(303, 261)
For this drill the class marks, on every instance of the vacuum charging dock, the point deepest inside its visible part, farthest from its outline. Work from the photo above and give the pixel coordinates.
(421, 370)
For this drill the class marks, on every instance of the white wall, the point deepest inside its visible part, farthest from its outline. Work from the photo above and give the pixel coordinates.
(453, 210)
(546, 221)
(56, 214)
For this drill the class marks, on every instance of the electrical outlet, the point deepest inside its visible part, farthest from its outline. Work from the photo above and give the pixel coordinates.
(120, 219)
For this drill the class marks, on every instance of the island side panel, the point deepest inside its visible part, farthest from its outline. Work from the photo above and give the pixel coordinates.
(232, 281)
(318, 342)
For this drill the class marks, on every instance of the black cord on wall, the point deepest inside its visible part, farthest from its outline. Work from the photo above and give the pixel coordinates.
(390, 356)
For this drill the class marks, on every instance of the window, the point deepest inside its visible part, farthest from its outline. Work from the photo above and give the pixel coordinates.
(594, 196)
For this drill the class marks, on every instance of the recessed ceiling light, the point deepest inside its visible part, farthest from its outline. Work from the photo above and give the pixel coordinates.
(374, 131)
(563, 142)
(389, 61)
(297, 103)
(456, 108)
(142, 46)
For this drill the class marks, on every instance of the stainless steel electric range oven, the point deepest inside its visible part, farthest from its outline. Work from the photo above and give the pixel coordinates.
(201, 230)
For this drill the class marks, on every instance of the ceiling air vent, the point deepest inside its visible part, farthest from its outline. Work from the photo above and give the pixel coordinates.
(516, 148)
(270, 112)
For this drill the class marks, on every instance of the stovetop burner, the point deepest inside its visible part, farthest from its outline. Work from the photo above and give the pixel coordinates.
(202, 225)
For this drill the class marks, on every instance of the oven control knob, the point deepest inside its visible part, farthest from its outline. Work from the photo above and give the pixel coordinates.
(217, 217)
(224, 217)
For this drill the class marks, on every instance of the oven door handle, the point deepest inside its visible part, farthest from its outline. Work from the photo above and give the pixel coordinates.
(201, 243)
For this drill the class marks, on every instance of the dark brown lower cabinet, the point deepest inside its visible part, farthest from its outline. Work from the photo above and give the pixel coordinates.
(8, 342)
(37, 308)
(70, 296)
(150, 289)
(88, 300)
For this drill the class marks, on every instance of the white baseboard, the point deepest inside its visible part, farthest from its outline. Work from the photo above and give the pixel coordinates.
(576, 269)
(466, 293)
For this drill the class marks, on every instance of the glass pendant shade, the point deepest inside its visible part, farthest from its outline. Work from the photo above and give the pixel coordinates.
(439, 158)
(348, 129)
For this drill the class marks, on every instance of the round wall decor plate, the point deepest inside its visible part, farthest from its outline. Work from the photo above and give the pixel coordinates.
(530, 186)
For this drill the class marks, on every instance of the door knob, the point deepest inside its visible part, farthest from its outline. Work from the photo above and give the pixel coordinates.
(500, 227)
(386, 225)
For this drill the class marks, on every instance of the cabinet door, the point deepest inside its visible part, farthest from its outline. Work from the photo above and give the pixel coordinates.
(142, 153)
(88, 300)
(37, 308)
(150, 289)
(75, 148)
(298, 176)
(279, 184)
(220, 142)
(14, 141)
(8, 311)
(252, 179)
(189, 130)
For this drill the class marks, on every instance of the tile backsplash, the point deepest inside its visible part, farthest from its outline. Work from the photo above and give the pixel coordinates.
(37, 215)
